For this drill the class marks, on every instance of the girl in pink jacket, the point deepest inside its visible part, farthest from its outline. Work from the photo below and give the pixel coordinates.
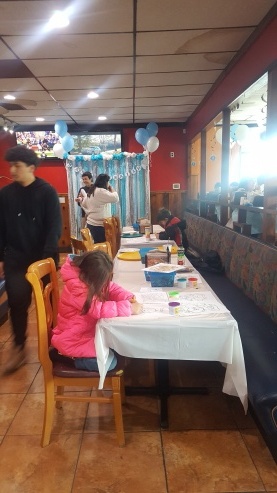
(88, 295)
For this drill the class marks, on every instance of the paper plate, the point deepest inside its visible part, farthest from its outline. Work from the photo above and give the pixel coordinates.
(129, 256)
(128, 250)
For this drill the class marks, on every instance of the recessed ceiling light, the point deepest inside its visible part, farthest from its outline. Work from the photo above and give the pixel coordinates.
(9, 96)
(93, 95)
(102, 118)
(39, 119)
(58, 20)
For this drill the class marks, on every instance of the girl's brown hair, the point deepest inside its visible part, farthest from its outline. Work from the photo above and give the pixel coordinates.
(96, 269)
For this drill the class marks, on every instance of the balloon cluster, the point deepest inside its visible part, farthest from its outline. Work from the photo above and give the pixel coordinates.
(237, 133)
(66, 144)
(147, 137)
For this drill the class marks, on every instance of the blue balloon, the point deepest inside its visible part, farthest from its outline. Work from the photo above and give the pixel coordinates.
(152, 129)
(142, 136)
(233, 130)
(60, 128)
(67, 142)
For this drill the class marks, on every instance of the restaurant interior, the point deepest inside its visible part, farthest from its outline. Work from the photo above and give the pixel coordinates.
(186, 91)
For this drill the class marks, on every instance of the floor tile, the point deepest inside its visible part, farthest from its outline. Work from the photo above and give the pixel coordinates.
(209, 462)
(9, 405)
(29, 419)
(262, 458)
(137, 467)
(25, 467)
(202, 412)
(196, 373)
(20, 380)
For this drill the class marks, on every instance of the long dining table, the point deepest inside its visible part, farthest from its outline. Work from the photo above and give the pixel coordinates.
(204, 331)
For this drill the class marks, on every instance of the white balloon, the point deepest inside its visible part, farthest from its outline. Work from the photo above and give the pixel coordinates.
(152, 144)
(58, 150)
(218, 135)
(242, 132)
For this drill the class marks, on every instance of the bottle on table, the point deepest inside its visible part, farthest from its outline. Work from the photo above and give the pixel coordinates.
(181, 255)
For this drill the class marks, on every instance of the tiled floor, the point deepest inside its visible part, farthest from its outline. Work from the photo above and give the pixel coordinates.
(211, 446)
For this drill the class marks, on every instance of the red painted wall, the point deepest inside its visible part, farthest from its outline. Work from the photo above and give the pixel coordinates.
(163, 172)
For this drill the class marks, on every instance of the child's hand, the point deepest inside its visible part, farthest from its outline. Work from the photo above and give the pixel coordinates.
(136, 308)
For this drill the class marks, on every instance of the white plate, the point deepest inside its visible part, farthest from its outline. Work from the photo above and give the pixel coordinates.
(128, 250)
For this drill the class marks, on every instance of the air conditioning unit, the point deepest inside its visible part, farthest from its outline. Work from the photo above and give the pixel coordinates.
(176, 186)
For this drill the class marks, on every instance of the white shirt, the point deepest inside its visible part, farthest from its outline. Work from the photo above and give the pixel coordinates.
(97, 207)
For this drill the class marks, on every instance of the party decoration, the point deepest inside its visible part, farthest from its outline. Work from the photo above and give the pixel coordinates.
(152, 144)
(142, 136)
(58, 150)
(152, 129)
(233, 130)
(68, 142)
(242, 132)
(60, 128)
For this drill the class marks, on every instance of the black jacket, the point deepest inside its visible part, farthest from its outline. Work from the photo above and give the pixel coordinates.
(30, 223)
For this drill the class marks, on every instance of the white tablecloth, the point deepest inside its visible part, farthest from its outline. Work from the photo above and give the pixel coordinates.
(141, 242)
(161, 336)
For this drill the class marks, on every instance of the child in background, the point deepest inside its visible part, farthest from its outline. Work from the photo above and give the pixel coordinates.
(174, 228)
(88, 295)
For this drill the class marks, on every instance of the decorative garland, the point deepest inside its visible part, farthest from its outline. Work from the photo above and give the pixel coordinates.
(105, 156)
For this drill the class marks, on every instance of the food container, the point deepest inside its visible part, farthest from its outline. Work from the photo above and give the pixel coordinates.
(143, 252)
(192, 281)
(174, 308)
(182, 282)
(161, 279)
(156, 257)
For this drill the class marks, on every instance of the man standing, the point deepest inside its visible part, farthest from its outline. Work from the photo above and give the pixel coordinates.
(87, 181)
(30, 227)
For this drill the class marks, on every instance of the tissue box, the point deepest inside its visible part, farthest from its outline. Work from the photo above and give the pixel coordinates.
(156, 257)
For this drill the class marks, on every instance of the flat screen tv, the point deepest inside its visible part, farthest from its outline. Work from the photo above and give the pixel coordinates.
(96, 142)
(42, 142)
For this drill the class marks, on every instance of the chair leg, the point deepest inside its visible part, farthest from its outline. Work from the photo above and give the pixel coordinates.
(116, 384)
(60, 391)
(49, 406)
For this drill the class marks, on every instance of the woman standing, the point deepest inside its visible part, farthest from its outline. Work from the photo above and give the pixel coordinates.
(96, 204)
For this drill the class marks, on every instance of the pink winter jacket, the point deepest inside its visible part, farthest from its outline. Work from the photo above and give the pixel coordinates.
(74, 334)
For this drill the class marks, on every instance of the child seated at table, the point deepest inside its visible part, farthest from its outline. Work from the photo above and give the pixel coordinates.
(174, 228)
(88, 295)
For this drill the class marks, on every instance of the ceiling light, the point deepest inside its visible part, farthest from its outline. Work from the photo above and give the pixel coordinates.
(102, 118)
(93, 95)
(58, 20)
(11, 130)
(40, 119)
(9, 96)
(6, 128)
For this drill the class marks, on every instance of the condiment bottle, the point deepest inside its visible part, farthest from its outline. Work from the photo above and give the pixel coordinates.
(181, 255)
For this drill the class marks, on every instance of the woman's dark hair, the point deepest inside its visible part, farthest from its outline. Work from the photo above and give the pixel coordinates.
(96, 270)
(22, 153)
(101, 181)
(163, 214)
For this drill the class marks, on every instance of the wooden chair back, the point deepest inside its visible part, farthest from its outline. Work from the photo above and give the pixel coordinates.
(110, 234)
(105, 247)
(87, 238)
(61, 372)
(117, 227)
(78, 246)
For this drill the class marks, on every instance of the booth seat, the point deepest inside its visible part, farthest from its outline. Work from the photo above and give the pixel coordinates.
(249, 290)
(3, 303)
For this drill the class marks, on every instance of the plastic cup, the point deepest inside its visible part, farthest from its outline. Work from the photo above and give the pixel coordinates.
(182, 282)
(192, 282)
(174, 308)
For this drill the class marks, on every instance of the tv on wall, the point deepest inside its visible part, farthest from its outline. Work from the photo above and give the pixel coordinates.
(42, 142)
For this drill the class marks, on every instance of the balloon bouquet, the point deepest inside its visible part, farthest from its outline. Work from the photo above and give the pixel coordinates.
(66, 144)
(147, 137)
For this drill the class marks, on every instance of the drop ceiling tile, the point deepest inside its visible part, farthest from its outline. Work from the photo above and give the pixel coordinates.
(88, 82)
(80, 66)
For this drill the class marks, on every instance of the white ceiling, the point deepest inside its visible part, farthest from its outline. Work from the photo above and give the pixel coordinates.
(149, 60)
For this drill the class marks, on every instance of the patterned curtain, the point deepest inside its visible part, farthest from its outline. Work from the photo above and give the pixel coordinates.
(129, 177)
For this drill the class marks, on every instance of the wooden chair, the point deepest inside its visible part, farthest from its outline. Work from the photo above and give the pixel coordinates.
(87, 238)
(105, 246)
(62, 372)
(78, 246)
(117, 228)
(110, 234)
